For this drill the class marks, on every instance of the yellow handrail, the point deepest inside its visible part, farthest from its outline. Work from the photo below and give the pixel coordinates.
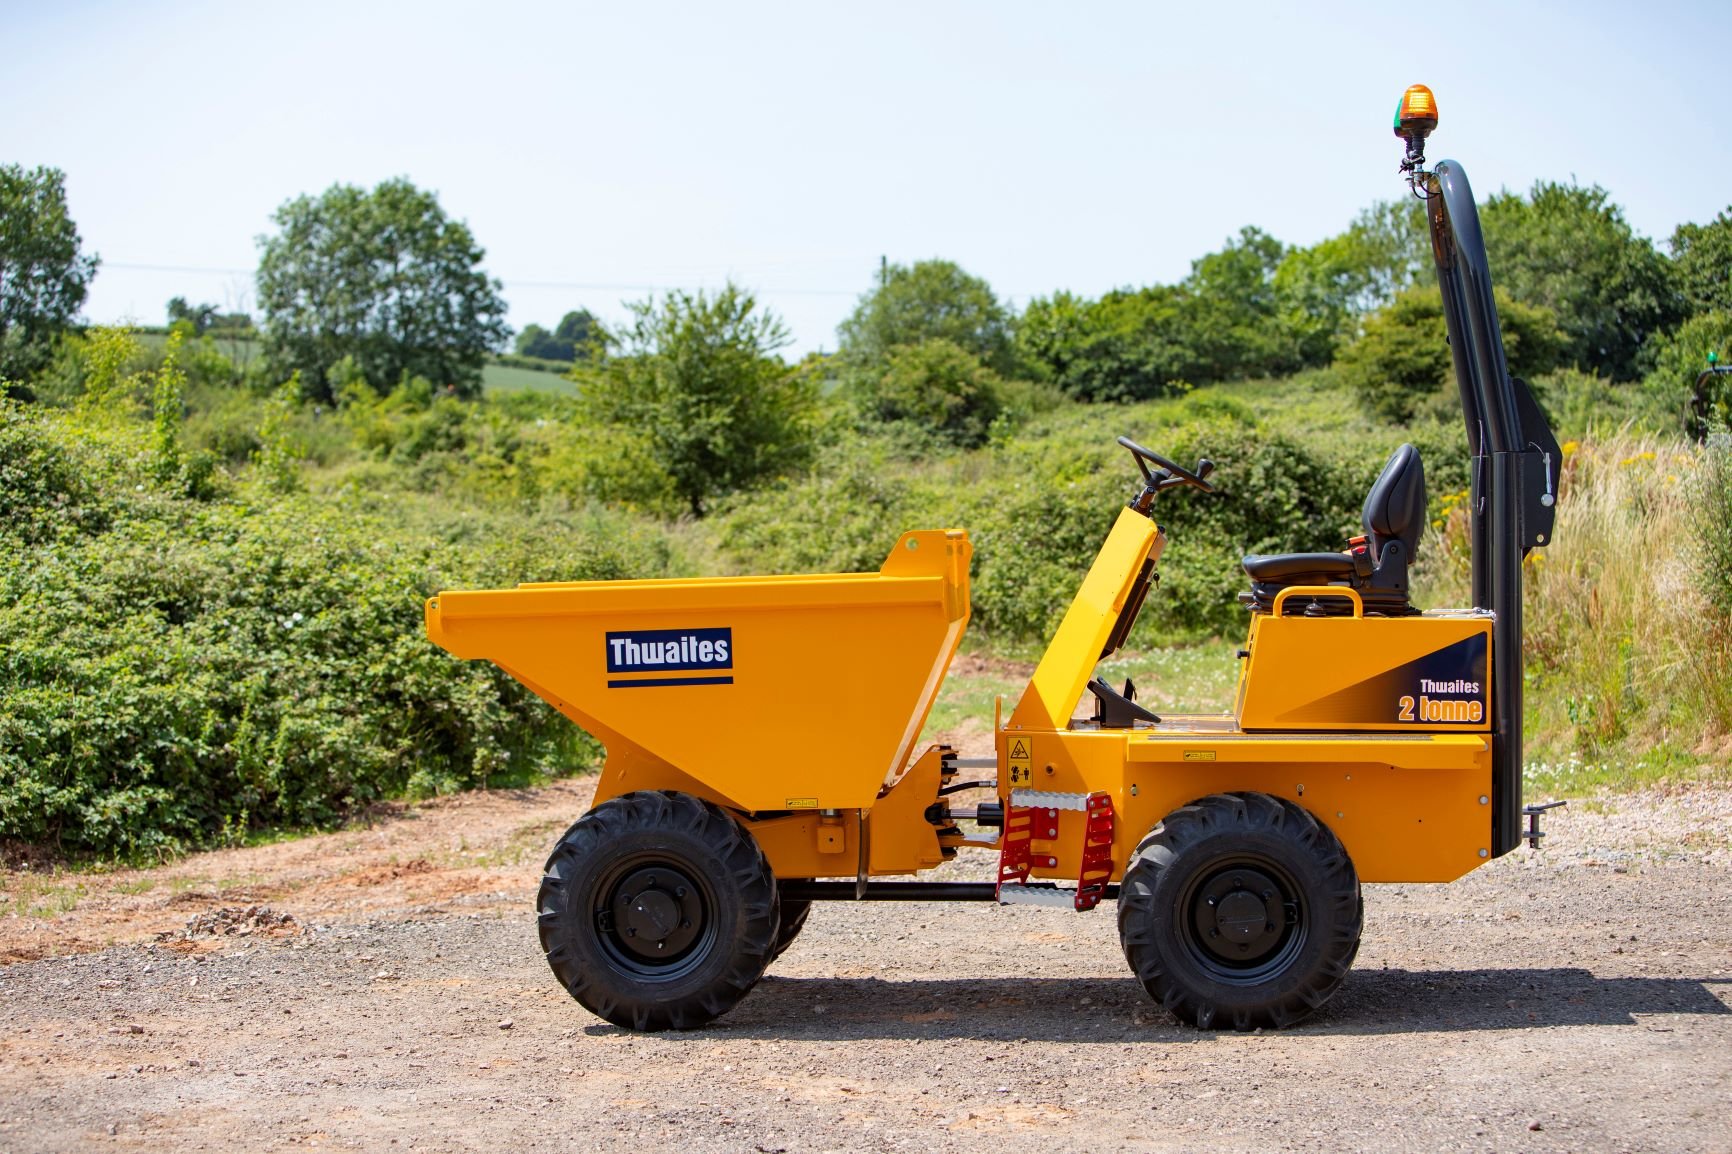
(1321, 591)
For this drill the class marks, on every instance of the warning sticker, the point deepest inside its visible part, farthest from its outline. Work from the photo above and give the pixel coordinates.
(1021, 765)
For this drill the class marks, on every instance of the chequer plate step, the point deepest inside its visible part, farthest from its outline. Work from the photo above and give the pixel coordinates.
(1015, 895)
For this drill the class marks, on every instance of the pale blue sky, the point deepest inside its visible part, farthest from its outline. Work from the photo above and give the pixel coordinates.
(616, 148)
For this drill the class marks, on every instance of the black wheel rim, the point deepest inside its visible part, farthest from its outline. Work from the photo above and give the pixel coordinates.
(1243, 920)
(655, 917)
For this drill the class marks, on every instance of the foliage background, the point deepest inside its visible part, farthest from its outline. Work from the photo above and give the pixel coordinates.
(210, 587)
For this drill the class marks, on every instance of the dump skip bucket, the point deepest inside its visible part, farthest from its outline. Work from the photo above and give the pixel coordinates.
(774, 693)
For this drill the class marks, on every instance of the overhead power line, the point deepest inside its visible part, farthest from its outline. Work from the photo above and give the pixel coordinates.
(115, 264)
(576, 286)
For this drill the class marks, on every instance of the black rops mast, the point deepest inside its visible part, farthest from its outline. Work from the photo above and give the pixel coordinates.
(1515, 458)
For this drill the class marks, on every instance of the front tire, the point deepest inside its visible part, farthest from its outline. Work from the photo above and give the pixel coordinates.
(657, 911)
(1240, 910)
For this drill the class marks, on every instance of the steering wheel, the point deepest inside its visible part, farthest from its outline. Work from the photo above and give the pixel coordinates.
(1176, 474)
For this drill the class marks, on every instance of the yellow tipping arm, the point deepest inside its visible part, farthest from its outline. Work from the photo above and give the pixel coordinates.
(1064, 669)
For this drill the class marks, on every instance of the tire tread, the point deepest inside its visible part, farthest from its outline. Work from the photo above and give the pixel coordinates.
(1336, 910)
(679, 817)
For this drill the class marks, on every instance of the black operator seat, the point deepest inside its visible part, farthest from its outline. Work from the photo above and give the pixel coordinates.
(1375, 564)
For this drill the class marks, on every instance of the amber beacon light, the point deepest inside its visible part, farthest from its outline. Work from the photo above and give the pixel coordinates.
(1415, 117)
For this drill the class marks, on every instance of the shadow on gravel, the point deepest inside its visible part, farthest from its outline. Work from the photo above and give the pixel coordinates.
(1117, 1009)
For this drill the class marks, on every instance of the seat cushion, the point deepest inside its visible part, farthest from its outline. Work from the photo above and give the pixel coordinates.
(1286, 566)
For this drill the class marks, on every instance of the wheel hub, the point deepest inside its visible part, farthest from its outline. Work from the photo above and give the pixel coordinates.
(657, 913)
(1240, 915)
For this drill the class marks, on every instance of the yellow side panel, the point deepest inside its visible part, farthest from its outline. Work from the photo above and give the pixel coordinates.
(792, 845)
(1075, 649)
(899, 839)
(1412, 674)
(815, 699)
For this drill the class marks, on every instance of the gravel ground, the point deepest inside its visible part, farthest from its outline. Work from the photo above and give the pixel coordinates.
(1576, 999)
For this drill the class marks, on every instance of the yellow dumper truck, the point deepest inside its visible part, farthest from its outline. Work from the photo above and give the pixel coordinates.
(763, 751)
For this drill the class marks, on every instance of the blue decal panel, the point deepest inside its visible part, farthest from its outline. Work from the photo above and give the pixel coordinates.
(694, 656)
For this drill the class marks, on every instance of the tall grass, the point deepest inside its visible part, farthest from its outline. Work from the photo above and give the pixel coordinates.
(1629, 611)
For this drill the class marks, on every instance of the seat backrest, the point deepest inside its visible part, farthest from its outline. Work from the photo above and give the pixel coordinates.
(1395, 507)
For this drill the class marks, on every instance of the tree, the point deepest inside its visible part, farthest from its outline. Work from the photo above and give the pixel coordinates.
(1235, 317)
(1679, 358)
(1254, 308)
(932, 300)
(1131, 344)
(44, 276)
(697, 392)
(1403, 354)
(198, 316)
(1702, 255)
(1388, 246)
(206, 319)
(936, 386)
(384, 277)
(1569, 249)
(1324, 290)
(535, 341)
(570, 341)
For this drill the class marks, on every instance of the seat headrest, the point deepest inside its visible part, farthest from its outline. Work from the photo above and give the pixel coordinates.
(1395, 507)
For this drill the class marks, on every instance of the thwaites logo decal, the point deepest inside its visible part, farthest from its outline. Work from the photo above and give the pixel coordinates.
(644, 658)
(1450, 686)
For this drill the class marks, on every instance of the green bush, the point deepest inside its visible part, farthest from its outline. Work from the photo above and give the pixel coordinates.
(929, 300)
(1033, 541)
(206, 366)
(1402, 356)
(843, 521)
(1711, 523)
(699, 397)
(1583, 404)
(1131, 344)
(937, 388)
(46, 482)
(173, 667)
(1679, 358)
(225, 425)
(1035, 538)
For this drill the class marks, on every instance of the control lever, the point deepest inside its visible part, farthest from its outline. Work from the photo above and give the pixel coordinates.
(1115, 710)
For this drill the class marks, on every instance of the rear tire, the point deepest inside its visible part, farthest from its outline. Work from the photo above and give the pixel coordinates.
(1240, 910)
(657, 911)
(793, 920)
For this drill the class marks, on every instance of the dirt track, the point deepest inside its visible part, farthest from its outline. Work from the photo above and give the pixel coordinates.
(1576, 1000)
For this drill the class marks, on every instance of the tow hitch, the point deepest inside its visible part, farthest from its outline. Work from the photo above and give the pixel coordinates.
(1532, 813)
